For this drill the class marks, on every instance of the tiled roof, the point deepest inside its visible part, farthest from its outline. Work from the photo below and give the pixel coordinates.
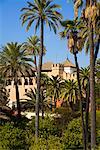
(68, 63)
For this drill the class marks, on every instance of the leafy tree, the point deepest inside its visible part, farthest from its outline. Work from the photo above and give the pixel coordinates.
(54, 88)
(41, 12)
(69, 92)
(84, 75)
(75, 44)
(15, 64)
(29, 102)
(91, 20)
(5, 111)
(44, 85)
(32, 46)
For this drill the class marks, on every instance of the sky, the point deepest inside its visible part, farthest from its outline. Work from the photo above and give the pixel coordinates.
(11, 30)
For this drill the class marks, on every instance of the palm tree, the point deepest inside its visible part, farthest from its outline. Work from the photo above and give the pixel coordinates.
(32, 46)
(84, 75)
(69, 92)
(90, 16)
(14, 64)
(29, 102)
(54, 88)
(41, 12)
(44, 83)
(75, 44)
(5, 111)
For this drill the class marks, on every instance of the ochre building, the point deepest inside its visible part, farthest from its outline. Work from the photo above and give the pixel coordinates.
(65, 70)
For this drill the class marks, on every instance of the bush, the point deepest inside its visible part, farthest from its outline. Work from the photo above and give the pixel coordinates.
(66, 115)
(48, 127)
(13, 138)
(72, 137)
(52, 143)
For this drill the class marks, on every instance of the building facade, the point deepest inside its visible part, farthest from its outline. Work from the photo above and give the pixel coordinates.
(65, 70)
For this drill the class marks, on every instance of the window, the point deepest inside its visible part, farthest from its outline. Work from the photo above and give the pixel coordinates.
(30, 82)
(19, 82)
(8, 90)
(8, 82)
(25, 90)
(26, 82)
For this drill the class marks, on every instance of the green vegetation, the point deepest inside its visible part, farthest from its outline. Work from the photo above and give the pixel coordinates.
(71, 125)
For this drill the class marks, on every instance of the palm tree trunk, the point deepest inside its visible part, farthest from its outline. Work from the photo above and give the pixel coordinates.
(87, 110)
(38, 85)
(80, 95)
(54, 102)
(92, 86)
(97, 50)
(42, 105)
(35, 62)
(17, 98)
(54, 98)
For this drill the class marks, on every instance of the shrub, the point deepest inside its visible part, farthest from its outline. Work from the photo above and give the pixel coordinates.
(48, 127)
(66, 115)
(72, 137)
(13, 138)
(52, 143)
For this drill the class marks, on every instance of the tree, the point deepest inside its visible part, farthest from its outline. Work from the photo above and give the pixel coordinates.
(54, 88)
(84, 75)
(41, 12)
(32, 46)
(90, 16)
(5, 111)
(29, 102)
(75, 44)
(44, 85)
(15, 64)
(69, 92)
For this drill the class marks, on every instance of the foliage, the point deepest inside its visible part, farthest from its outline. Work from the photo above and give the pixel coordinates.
(47, 127)
(72, 137)
(13, 138)
(14, 61)
(54, 88)
(69, 91)
(98, 127)
(53, 142)
(66, 115)
(45, 10)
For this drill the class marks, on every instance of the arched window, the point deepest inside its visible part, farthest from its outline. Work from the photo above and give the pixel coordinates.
(19, 82)
(30, 81)
(26, 82)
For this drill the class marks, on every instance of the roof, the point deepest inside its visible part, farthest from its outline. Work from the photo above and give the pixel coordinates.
(68, 63)
(47, 66)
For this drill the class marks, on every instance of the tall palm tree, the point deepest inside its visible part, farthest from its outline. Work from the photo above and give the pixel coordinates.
(54, 88)
(44, 83)
(84, 75)
(75, 44)
(90, 16)
(41, 12)
(14, 64)
(69, 91)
